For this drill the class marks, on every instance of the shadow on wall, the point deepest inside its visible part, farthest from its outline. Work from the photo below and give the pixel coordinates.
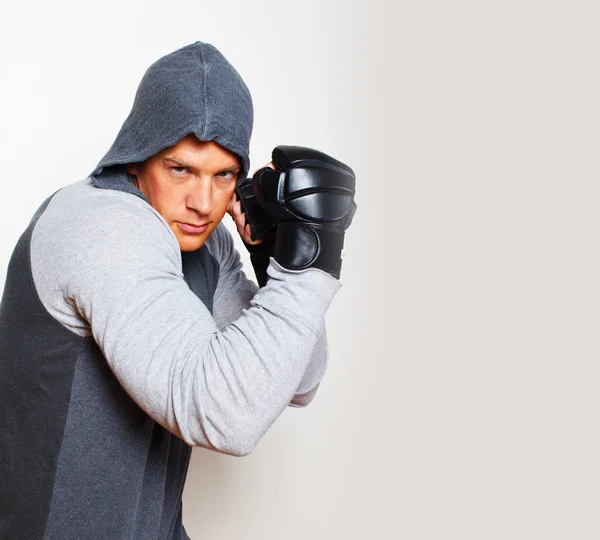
(214, 483)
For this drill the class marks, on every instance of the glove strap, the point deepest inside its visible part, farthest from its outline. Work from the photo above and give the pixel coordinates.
(260, 256)
(301, 245)
(260, 222)
(260, 265)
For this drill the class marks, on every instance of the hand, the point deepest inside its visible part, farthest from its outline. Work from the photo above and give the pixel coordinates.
(234, 208)
(262, 248)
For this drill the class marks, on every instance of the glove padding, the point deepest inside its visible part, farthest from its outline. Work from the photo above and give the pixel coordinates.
(309, 198)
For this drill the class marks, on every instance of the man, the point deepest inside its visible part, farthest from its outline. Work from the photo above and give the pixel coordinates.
(129, 332)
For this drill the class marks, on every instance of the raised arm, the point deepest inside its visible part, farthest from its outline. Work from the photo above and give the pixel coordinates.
(119, 270)
(234, 294)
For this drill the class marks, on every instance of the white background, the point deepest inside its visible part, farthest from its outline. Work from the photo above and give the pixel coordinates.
(461, 399)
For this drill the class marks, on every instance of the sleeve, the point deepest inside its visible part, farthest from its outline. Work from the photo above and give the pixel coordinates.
(234, 293)
(217, 388)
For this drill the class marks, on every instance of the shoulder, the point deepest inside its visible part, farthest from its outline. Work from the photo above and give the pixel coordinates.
(82, 201)
(86, 235)
(90, 241)
(83, 217)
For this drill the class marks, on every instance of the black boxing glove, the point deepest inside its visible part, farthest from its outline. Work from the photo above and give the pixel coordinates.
(309, 198)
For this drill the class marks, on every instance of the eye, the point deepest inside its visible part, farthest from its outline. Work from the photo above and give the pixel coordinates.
(227, 175)
(179, 170)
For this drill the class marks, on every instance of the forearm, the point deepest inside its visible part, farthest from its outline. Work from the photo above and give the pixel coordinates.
(252, 370)
(222, 389)
(234, 295)
(318, 359)
(313, 374)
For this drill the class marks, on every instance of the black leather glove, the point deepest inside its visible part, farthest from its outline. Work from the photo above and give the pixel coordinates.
(261, 227)
(309, 200)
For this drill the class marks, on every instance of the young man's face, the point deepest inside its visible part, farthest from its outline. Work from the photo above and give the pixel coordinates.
(189, 185)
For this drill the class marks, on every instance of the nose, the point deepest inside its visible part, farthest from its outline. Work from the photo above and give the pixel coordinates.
(199, 197)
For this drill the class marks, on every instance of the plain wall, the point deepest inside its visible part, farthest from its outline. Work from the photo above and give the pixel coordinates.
(461, 399)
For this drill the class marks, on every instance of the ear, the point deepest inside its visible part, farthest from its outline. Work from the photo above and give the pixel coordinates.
(132, 168)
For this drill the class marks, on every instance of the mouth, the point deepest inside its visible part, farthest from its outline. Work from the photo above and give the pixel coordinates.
(191, 228)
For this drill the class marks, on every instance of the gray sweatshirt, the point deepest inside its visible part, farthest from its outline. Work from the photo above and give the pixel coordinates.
(119, 353)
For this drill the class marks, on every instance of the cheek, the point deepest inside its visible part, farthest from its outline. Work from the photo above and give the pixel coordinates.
(169, 201)
(222, 198)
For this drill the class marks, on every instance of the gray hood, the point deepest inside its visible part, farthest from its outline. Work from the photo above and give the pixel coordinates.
(191, 90)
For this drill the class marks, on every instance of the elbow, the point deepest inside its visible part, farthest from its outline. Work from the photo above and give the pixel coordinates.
(231, 446)
(240, 433)
(302, 400)
(233, 439)
(242, 448)
(236, 445)
(299, 403)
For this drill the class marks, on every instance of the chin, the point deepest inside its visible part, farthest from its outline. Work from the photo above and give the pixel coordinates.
(191, 244)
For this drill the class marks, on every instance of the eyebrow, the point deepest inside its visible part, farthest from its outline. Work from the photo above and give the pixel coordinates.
(232, 168)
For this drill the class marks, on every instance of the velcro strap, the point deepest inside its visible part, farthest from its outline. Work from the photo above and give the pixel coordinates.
(300, 245)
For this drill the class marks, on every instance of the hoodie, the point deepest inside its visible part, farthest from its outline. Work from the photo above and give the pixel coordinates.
(119, 353)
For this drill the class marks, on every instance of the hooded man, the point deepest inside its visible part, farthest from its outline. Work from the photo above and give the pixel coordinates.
(129, 332)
